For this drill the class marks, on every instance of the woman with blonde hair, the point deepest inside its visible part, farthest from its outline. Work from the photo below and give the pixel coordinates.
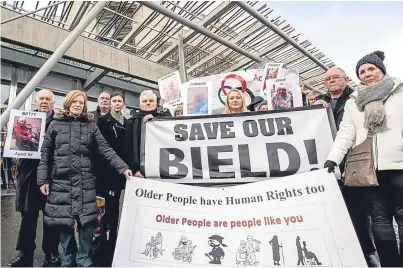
(311, 97)
(66, 177)
(235, 102)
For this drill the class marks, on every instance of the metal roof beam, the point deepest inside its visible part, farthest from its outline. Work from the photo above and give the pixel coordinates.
(275, 29)
(216, 13)
(219, 50)
(94, 78)
(80, 14)
(265, 51)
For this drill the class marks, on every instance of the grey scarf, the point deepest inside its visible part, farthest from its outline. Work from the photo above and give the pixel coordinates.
(370, 100)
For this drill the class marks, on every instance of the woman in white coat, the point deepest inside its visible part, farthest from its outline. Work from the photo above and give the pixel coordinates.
(377, 105)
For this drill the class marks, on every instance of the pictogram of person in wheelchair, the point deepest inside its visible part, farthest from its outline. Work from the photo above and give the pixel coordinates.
(154, 247)
(310, 257)
(25, 138)
(184, 251)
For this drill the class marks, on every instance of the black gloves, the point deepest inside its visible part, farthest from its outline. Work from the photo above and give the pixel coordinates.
(330, 165)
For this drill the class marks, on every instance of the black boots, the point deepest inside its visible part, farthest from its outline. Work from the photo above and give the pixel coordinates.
(52, 260)
(22, 260)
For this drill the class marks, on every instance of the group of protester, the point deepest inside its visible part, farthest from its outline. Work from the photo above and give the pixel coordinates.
(85, 154)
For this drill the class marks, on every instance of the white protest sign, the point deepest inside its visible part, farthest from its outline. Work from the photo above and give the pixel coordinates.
(249, 82)
(198, 99)
(236, 148)
(25, 133)
(282, 93)
(286, 220)
(169, 87)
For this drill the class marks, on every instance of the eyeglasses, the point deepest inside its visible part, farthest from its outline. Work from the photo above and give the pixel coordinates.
(334, 77)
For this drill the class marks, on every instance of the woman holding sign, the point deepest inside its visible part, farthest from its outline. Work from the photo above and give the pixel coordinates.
(65, 176)
(235, 102)
(372, 126)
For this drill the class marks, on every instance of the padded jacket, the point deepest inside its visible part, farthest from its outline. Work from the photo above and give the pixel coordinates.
(66, 165)
(387, 146)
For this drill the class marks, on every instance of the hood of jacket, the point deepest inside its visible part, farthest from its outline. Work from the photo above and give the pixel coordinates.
(64, 116)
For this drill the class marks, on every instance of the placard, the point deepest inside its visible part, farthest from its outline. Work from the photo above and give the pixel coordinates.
(25, 133)
(198, 99)
(296, 220)
(249, 82)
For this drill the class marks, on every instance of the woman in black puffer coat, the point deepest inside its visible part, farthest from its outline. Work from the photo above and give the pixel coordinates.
(65, 175)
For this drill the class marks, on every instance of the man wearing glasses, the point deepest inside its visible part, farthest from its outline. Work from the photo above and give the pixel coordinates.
(336, 82)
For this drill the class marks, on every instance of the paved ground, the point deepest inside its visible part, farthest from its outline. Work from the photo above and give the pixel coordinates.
(10, 223)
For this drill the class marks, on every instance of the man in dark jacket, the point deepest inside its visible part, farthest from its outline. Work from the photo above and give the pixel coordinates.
(103, 105)
(148, 110)
(354, 197)
(29, 201)
(336, 82)
(109, 183)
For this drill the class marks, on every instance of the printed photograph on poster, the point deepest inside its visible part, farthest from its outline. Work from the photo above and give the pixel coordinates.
(197, 98)
(273, 71)
(281, 94)
(25, 134)
(169, 87)
(248, 82)
(284, 93)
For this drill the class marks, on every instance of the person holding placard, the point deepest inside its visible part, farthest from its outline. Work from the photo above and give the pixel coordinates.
(65, 176)
(29, 201)
(148, 109)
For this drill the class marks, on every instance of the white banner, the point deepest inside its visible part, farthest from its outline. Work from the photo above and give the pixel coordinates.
(249, 82)
(236, 148)
(25, 133)
(296, 220)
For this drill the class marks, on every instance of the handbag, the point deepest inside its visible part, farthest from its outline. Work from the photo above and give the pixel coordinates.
(360, 168)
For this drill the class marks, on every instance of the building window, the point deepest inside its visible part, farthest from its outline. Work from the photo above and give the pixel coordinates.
(5, 94)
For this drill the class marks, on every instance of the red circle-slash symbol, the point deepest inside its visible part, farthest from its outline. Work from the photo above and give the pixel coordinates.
(237, 77)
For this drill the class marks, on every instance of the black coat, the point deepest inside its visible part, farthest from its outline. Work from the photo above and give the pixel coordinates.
(96, 114)
(341, 102)
(66, 166)
(28, 197)
(114, 133)
(133, 138)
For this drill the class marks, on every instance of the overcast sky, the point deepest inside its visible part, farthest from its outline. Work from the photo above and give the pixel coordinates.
(346, 31)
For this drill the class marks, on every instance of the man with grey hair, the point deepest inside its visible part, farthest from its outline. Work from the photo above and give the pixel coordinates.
(29, 201)
(336, 82)
(104, 105)
(148, 110)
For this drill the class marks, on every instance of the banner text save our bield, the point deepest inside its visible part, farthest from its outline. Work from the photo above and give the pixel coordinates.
(224, 131)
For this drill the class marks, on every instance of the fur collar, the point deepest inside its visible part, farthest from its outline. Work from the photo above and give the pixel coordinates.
(64, 116)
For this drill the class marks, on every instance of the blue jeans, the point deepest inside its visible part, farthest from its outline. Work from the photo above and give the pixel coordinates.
(68, 242)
